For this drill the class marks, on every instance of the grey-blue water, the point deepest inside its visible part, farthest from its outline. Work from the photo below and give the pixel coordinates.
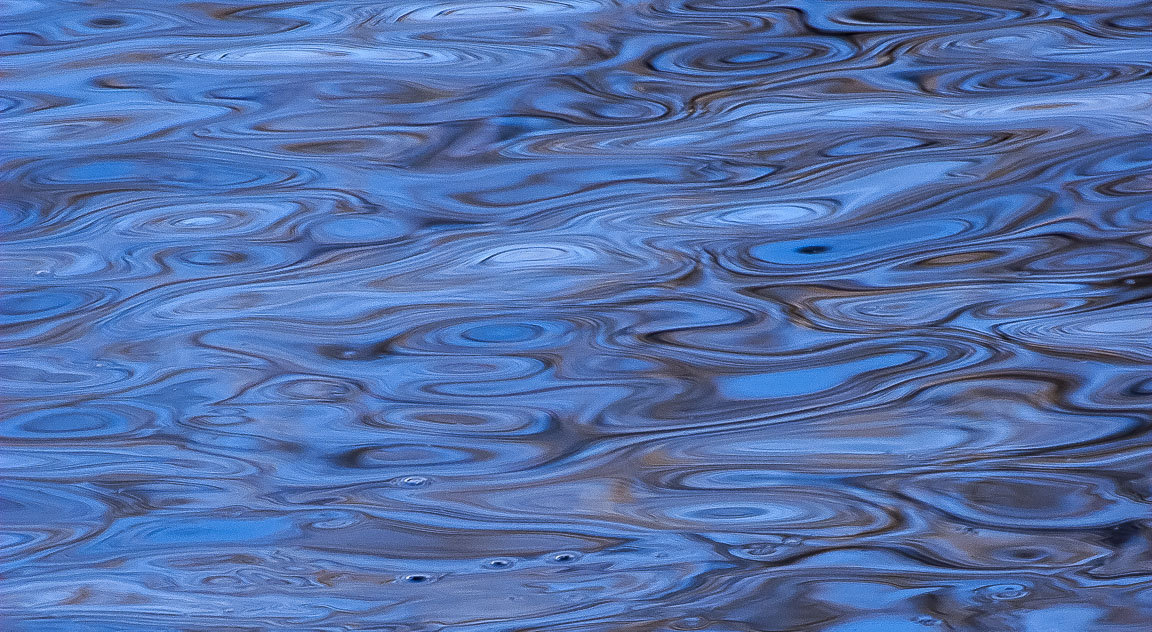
(576, 315)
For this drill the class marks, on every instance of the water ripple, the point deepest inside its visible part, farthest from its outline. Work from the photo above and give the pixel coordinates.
(576, 315)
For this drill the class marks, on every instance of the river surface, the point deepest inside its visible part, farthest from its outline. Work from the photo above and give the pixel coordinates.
(576, 316)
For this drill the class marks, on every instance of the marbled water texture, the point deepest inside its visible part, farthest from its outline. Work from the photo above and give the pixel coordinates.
(576, 316)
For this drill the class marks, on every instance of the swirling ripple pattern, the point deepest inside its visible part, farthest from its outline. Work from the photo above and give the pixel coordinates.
(576, 315)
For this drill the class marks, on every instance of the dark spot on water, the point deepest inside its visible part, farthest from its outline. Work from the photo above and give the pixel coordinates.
(1027, 554)
(336, 352)
(1140, 281)
(812, 250)
(1122, 534)
(106, 22)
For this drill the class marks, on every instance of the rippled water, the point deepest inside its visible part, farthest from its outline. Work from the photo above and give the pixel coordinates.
(577, 315)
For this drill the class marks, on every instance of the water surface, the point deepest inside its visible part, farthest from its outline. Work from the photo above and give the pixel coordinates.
(576, 315)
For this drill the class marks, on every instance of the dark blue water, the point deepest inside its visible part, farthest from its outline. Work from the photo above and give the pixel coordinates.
(576, 315)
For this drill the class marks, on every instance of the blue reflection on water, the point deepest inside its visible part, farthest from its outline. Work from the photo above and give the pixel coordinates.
(725, 315)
